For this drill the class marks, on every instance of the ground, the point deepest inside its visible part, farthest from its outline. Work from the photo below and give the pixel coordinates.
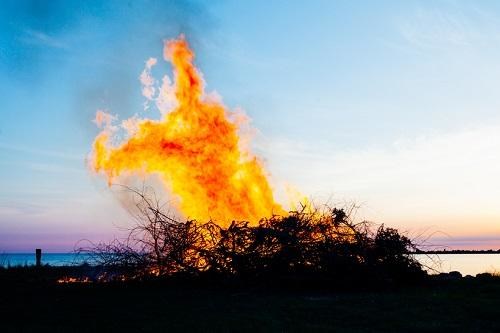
(466, 305)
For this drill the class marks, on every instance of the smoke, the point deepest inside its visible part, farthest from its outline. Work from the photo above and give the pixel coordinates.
(92, 48)
(139, 27)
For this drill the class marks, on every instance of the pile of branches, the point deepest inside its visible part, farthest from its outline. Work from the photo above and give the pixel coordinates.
(326, 245)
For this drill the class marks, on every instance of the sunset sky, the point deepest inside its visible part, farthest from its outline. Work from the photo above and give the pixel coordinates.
(392, 105)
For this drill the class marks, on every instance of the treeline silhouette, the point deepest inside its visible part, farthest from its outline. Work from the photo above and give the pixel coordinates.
(320, 245)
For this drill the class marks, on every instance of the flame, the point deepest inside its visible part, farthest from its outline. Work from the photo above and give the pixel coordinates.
(195, 148)
(68, 279)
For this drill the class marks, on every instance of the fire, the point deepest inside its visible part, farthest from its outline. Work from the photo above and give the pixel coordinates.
(195, 148)
(68, 279)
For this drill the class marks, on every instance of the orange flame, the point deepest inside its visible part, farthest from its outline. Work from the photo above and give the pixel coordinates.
(195, 148)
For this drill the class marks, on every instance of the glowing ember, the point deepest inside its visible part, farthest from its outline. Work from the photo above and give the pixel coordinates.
(195, 148)
(67, 279)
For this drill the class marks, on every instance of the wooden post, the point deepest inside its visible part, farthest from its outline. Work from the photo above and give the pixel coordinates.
(38, 257)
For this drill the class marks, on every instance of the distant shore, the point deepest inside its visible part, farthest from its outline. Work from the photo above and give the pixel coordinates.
(444, 251)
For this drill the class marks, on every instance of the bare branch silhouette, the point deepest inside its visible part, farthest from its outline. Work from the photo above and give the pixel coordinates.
(326, 241)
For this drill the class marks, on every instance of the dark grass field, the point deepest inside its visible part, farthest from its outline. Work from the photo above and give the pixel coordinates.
(466, 305)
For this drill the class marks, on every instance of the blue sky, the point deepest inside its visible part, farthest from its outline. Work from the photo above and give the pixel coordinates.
(391, 104)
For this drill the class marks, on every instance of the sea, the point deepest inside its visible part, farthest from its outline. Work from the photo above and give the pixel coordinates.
(52, 259)
(467, 264)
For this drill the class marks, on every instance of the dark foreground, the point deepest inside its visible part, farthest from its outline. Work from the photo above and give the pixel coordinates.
(464, 305)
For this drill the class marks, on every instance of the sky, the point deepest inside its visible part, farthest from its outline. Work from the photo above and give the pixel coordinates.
(391, 105)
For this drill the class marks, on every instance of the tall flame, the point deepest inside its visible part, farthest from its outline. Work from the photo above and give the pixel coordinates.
(195, 148)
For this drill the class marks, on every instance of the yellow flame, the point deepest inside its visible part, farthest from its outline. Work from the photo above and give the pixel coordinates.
(195, 148)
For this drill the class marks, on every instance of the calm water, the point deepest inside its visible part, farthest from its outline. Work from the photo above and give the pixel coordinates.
(464, 263)
(53, 259)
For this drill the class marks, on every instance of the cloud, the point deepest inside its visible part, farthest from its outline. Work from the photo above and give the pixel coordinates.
(435, 28)
(16, 208)
(446, 179)
(448, 26)
(35, 37)
(479, 242)
(42, 152)
(54, 168)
